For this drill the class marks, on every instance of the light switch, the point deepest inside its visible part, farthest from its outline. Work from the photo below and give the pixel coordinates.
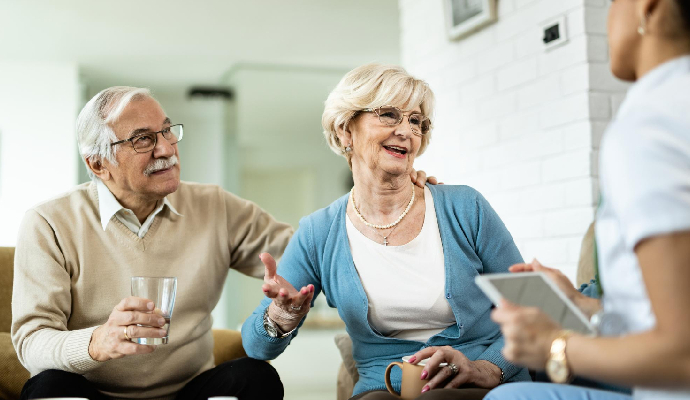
(554, 33)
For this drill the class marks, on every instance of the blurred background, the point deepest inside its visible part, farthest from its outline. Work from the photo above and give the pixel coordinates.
(519, 114)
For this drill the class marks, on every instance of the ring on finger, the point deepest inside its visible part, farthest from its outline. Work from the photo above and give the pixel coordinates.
(453, 368)
(293, 308)
(126, 335)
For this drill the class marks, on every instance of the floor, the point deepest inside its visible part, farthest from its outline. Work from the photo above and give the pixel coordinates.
(309, 366)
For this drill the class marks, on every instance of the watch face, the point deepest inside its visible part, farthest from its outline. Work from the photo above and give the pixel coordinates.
(270, 329)
(557, 371)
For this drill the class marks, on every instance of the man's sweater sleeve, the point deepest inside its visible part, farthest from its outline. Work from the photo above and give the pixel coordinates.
(253, 231)
(41, 304)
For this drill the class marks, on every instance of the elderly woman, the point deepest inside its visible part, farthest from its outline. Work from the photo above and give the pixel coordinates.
(398, 261)
(643, 231)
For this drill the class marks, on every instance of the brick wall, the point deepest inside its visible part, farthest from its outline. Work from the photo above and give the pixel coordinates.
(517, 122)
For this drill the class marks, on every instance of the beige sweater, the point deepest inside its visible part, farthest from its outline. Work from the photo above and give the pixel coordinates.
(70, 273)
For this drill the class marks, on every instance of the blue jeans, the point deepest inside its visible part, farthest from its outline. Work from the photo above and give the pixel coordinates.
(550, 391)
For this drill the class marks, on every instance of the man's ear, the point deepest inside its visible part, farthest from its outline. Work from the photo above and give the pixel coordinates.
(96, 166)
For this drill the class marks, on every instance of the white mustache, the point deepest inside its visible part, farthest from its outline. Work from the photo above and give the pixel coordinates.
(160, 164)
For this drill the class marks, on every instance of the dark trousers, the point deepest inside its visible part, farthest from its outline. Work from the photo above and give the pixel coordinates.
(245, 378)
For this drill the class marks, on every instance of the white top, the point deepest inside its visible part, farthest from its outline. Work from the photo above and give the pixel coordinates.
(109, 206)
(645, 188)
(405, 285)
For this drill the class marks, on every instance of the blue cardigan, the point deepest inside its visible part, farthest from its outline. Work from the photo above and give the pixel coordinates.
(475, 241)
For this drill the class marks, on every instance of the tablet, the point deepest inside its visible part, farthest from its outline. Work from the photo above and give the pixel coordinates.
(535, 289)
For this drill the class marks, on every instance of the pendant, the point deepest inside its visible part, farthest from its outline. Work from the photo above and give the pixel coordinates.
(385, 240)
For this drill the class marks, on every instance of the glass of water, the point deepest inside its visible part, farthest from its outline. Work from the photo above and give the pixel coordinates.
(161, 291)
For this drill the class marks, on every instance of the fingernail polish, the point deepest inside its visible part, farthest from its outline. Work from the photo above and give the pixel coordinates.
(149, 305)
(425, 388)
(412, 359)
(424, 375)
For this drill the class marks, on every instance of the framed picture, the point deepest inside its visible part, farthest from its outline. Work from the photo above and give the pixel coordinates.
(464, 17)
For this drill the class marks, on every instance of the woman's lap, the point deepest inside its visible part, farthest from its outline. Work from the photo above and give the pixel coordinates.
(439, 394)
(550, 391)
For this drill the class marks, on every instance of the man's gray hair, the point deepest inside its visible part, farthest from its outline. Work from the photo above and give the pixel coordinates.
(94, 133)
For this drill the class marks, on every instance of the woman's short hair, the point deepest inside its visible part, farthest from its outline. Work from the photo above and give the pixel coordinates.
(370, 86)
(94, 133)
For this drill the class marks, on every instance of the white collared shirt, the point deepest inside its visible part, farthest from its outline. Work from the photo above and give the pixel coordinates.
(109, 206)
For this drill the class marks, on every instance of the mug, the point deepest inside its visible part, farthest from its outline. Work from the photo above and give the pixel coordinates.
(411, 383)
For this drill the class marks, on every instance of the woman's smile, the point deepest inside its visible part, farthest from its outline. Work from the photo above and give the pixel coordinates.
(396, 151)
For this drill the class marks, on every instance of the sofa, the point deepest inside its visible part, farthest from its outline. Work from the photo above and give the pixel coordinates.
(227, 343)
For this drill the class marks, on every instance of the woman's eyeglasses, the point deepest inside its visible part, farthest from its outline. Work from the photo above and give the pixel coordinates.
(391, 116)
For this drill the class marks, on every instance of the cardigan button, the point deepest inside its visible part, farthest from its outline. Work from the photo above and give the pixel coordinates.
(448, 296)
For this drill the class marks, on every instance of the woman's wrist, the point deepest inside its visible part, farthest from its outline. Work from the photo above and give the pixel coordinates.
(489, 374)
(588, 305)
(286, 321)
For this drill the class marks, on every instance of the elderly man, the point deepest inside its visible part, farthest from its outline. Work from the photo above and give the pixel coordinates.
(72, 310)
(73, 315)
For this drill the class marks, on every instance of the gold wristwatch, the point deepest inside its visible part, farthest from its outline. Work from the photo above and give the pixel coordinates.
(557, 366)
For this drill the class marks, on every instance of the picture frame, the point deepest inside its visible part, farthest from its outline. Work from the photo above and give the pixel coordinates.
(464, 17)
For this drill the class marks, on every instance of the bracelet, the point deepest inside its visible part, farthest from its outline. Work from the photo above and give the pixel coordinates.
(503, 376)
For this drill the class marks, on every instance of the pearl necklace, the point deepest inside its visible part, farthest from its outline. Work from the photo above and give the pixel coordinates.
(392, 224)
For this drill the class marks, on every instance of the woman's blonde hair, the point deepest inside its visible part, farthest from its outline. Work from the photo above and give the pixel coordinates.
(371, 86)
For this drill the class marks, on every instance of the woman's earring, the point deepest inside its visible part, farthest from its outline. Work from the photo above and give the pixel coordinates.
(348, 149)
(642, 29)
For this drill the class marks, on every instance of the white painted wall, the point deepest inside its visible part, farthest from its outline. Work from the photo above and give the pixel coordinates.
(38, 151)
(517, 122)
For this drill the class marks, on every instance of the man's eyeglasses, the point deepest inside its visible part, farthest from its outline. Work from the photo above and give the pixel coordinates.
(392, 116)
(145, 142)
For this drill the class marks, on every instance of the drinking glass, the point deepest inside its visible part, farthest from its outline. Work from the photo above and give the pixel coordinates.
(160, 290)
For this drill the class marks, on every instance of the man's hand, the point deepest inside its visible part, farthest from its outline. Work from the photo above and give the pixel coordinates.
(108, 341)
(420, 179)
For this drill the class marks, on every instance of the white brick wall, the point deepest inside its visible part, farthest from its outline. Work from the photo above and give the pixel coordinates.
(519, 123)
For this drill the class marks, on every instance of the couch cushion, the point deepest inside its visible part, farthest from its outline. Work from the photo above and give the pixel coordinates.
(585, 266)
(344, 344)
(6, 274)
(12, 373)
(227, 345)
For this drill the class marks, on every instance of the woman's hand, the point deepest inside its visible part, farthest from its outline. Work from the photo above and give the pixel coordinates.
(587, 305)
(555, 275)
(420, 179)
(289, 306)
(527, 332)
(479, 373)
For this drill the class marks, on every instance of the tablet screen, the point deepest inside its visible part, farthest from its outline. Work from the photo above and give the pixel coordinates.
(531, 290)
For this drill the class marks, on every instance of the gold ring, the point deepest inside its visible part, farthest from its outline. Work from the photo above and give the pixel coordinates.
(126, 335)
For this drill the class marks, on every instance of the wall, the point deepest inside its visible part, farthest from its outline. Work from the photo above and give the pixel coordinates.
(38, 150)
(276, 154)
(517, 122)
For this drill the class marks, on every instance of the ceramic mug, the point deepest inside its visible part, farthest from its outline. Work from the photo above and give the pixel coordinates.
(412, 385)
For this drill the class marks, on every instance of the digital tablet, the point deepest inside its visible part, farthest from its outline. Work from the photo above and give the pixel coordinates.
(535, 289)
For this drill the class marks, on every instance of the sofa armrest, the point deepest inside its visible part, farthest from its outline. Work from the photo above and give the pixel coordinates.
(227, 345)
(13, 376)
